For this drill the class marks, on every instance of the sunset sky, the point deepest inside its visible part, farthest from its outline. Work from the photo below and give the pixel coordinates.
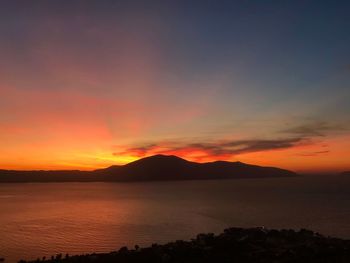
(88, 84)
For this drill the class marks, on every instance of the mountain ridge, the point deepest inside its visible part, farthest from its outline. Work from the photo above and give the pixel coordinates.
(153, 168)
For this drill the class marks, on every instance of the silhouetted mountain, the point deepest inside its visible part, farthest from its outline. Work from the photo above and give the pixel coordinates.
(346, 173)
(154, 168)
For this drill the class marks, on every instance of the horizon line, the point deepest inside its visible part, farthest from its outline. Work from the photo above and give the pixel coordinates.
(303, 172)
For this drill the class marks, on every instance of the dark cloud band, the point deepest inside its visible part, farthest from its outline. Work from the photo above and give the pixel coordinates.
(214, 148)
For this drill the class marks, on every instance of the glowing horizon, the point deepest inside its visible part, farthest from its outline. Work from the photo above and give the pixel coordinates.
(97, 85)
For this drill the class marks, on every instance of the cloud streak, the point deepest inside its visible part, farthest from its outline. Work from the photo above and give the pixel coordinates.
(311, 154)
(215, 150)
(293, 137)
(315, 129)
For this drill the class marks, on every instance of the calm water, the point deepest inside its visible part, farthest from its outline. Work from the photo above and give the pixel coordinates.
(43, 219)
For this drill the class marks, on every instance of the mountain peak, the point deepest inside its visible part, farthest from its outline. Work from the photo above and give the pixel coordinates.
(158, 159)
(163, 157)
(152, 168)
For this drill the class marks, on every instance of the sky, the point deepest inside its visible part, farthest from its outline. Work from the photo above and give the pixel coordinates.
(89, 84)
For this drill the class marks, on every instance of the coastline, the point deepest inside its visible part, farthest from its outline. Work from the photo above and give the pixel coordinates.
(232, 245)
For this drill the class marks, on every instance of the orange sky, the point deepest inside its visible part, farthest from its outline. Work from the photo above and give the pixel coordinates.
(96, 85)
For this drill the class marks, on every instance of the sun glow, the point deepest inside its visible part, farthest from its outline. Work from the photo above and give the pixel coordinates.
(84, 89)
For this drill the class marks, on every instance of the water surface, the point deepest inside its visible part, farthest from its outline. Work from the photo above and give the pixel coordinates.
(43, 219)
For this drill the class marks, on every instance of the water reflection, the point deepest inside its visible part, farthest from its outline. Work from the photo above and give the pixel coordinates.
(44, 219)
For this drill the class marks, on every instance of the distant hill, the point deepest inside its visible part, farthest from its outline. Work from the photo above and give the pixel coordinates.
(346, 173)
(154, 168)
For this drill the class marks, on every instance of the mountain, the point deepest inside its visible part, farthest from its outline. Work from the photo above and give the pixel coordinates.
(154, 168)
(346, 173)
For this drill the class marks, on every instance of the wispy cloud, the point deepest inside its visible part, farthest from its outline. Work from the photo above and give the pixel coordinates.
(311, 154)
(314, 129)
(210, 149)
(292, 137)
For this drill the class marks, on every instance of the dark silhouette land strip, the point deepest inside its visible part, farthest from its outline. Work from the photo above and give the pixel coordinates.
(154, 168)
(252, 245)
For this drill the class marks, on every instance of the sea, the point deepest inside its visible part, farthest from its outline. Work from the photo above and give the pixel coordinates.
(43, 219)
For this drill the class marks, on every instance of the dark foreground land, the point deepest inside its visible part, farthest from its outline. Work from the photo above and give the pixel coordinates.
(256, 245)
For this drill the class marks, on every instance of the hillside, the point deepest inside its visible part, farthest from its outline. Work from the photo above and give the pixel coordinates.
(154, 168)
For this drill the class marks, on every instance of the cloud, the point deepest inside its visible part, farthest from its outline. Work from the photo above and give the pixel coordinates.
(310, 154)
(210, 149)
(314, 129)
(292, 137)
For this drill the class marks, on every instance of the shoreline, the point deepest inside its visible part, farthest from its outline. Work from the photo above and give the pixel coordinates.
(232, 245)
